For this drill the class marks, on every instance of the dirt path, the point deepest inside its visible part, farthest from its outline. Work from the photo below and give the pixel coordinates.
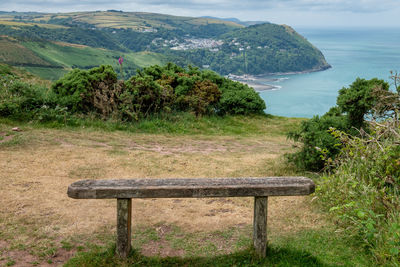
(38, 221)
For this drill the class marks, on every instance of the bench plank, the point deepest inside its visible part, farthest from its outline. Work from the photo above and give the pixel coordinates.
(191, 187)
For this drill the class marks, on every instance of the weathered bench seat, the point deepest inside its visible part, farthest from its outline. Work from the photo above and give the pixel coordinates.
(126, 189)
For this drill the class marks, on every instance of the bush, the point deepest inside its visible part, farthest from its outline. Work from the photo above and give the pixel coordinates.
(358, 99)
(20, 100)
(73, 88)
(239, 99)
(235, 98)
(153, 90)
(318, 144)
(203, 97)
(93, 90)
(178, 89)
(363, 194)
(353, 103)
(142, 97)
(5, 70)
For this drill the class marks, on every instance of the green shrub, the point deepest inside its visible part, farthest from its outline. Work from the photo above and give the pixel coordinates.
(353, 104)
(363, 193)
(202, 98)
(5, 70)
(92, 90)
(20, 100)
(73, 87)
(238, 98)
(142, 97)
(318, 144)
(156, 89)
(202, 92)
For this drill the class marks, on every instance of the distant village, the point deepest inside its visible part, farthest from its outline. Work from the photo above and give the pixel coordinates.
(202, 43)
(189, 43)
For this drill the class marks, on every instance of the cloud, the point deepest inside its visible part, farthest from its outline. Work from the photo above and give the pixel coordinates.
(367, 6)
(301, 12)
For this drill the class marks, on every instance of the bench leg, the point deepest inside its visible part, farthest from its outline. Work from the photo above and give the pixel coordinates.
(260, 225)
(124, 221)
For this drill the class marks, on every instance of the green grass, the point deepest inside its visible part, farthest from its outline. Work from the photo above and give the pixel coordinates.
(24, 24)
(68, 56)
(328, 245)
(65, 57)
(50, 60)
(309, 248)
(276, 257)
(145, 59)
(47, 73)
(179, 124)
(13, 53)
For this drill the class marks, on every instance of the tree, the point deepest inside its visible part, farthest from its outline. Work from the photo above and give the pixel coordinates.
(358, 99)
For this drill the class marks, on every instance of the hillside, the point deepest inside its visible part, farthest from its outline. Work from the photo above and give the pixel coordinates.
(51, 60)
(85, 39)
(238, 21)
(259, 49)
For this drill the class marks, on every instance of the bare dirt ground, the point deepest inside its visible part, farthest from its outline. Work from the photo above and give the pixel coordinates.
(37, 217)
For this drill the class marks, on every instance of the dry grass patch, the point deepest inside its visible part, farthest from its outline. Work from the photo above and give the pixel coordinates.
(36, 214)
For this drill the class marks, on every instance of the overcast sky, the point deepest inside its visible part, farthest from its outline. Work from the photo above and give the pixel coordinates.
(291, 12)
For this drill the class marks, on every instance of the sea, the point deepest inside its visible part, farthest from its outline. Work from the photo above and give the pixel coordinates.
(352, 53)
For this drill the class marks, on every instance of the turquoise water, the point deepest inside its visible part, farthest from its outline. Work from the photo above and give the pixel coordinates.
(364, 53)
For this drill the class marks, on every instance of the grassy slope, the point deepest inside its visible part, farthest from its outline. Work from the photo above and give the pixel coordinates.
(47, 73)
(24, 75)
(69, 55)
(9, 22)
(52, 60)
(12, 52)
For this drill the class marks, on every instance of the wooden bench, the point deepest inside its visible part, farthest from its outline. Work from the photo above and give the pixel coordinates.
(126, 189)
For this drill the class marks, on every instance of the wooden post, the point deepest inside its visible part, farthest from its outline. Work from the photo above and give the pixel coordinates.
(124, 221)
(260, 225)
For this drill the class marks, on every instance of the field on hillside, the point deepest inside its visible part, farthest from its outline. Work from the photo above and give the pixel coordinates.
(12, 52)
(116, 20)
(14, 23)
(51, 60)
(40, 225)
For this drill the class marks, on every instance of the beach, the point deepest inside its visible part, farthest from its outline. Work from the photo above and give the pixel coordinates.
(259, 86)
(253, 82)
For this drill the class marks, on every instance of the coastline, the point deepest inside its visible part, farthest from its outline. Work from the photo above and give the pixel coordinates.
(294, 72)
(253, 80)
(259, 86)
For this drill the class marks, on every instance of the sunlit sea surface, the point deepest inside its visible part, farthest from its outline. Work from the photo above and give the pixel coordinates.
(364, 53)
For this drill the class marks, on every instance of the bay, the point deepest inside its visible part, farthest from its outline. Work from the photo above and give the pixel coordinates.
(352, 53)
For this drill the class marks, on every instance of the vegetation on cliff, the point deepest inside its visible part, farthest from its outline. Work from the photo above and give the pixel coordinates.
(356, 143)
(223, 46)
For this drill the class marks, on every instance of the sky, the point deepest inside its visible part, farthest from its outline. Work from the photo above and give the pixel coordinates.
(297, 13)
